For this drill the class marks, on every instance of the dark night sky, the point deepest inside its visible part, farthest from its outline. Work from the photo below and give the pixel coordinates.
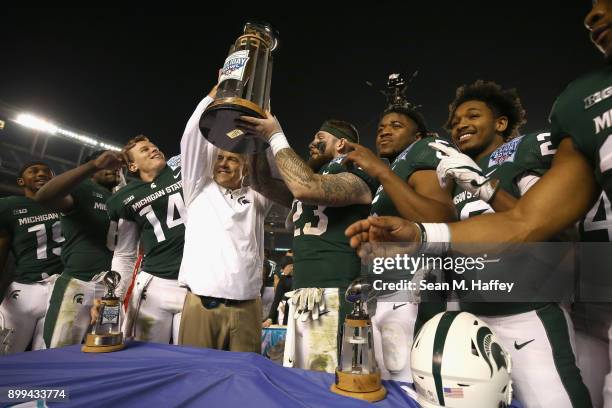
(116, 75)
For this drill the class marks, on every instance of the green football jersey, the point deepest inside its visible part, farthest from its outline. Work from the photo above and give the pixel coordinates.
(584, 112)
(532, 154)
(323, 256)
(90, 237)
(417, 156)
(36, 238)
(158, 209)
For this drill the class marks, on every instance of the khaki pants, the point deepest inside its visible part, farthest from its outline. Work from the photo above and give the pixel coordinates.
(233, 328)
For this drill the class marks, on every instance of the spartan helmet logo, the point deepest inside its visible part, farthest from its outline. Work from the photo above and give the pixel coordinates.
(499, 356)
(78, 298)
(15, 294)
(489, 349)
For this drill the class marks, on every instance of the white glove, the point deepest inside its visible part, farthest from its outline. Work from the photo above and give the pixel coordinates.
(307, 301)
(466, 173)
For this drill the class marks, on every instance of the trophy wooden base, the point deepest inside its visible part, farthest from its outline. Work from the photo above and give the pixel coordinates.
(103, 343)
(218, 125)
(372, 396)
(366, 387)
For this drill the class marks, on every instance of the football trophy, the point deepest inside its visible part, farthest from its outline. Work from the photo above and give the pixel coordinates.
(106, 332)
(357, 374)
(244, 90)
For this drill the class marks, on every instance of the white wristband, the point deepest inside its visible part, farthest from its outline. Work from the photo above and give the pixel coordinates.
(437, 232)
(437, 238)
(278, 142)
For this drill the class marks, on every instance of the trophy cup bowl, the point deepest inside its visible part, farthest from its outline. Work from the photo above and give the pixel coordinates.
(357, 374)
(106, 335)
(244, 90)
(358, 291)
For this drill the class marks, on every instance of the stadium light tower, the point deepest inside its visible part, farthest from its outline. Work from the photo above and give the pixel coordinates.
(44, 126)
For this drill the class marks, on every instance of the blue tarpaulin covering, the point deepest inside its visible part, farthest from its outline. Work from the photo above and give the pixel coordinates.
(156, 375)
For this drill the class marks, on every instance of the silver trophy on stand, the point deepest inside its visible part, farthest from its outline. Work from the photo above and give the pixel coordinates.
(106, 334)
(357, 374)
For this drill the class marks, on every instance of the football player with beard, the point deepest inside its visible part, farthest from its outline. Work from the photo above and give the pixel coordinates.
(328, 196)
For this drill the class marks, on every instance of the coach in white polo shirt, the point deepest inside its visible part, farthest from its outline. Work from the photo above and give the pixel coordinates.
(224, 242)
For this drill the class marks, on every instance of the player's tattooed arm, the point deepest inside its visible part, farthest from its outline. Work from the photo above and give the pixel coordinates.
(5, 246)
(334, 190)
(262, 181)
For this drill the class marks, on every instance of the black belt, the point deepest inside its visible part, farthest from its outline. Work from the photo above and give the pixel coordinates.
(210, 302)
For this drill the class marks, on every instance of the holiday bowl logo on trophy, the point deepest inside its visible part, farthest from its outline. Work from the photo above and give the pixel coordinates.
(106, 332)
(244, 89)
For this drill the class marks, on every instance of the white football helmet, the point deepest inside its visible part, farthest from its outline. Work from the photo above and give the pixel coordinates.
(458, 362)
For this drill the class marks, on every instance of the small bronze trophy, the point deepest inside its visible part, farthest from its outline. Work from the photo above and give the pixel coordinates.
(357, 375)
(244, 89)
(106, 332)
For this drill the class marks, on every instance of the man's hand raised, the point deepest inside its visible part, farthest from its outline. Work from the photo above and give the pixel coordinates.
(365, 159)
(264, 128)
(368, 236)
(108, 160)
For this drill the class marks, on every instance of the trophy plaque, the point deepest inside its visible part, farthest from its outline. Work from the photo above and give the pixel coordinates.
(106, 335)
(244, 90)
(357, 374)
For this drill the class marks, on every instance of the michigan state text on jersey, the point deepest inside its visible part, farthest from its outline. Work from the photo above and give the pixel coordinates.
(36, 238)
(33, 234)
(150, 213)
(158, 210)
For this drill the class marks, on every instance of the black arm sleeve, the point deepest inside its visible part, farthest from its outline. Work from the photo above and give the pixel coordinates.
(279, 294)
